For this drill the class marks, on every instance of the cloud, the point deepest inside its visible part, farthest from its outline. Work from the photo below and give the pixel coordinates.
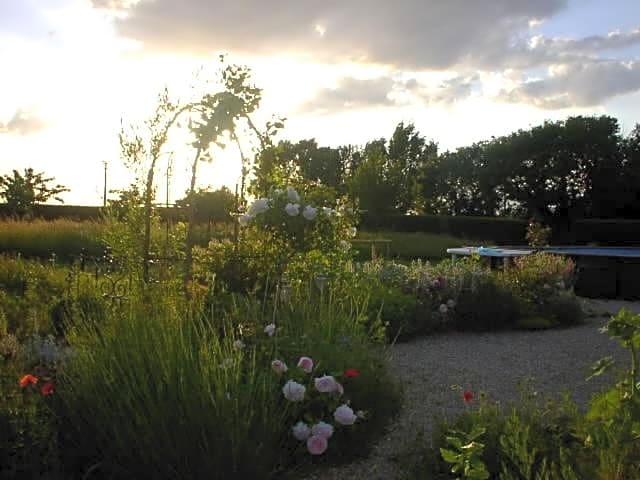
(23, 122)
(352, 93)
(386, 91)
(418, 34)
(578, 85)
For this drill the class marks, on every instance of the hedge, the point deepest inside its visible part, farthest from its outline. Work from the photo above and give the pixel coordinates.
(81, 212)
(499, 230)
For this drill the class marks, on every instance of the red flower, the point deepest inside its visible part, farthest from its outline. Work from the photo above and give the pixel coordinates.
(467, 396)
(27, 380)
(351, 373)
(48, 388)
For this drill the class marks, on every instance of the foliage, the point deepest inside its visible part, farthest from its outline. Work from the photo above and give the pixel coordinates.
(491, 230)
(211, 205)
(541, 281)
(167, 391)
(22, 191)
(37, 299)
(538, 235)
(464, 453)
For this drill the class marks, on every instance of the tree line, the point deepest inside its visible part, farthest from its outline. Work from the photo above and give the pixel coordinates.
(580, 167)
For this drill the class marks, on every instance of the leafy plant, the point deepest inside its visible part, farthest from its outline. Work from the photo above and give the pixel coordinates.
(464, 453)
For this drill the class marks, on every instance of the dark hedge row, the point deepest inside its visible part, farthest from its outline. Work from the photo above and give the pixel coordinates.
(510, 231)
(81, 212)
(498, 230)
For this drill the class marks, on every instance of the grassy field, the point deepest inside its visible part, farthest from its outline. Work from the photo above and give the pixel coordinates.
(407, 246)
(39, 238)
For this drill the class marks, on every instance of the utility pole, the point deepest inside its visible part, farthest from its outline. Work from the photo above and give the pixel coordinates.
(104, 192)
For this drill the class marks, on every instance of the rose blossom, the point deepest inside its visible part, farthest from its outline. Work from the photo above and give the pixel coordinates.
(344, 415)
(326, 384)
(279, 367)
(301, 431)
(259, 206)
(306, 364)
(317, 445)
(443, 308)
(48, 388)
(451, 303)
(292, 195)
(467, 396)
(309, 212)
(351, 373)
(292, 209)
(293, 391)
(322, 429)
(270, 329)
(27, 380)
(353, 231)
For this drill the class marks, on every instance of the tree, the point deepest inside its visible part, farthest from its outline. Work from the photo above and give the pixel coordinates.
(23, 192)
(211, 206)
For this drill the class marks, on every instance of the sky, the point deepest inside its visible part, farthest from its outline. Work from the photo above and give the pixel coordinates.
(341, 71)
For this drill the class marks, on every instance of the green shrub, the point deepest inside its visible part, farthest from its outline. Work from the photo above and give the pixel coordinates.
(563, 309)
(474, 313)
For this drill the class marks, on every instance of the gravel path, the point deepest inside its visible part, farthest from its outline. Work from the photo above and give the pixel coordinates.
(494, 363)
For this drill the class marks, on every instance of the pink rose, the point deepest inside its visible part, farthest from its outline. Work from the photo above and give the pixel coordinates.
(322, 429)
(317, 445)
(344, 415)
(326, 384)
(306, 364)
(279, 367)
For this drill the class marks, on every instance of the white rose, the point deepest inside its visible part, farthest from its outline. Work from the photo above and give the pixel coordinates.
(309, 212)
(292, 195)
(292, 209)
(443, 309)
(259, 206)
(353, 231)
(326, 384)
(293, 391)
(344, 415)
(451, 303)
(322, 429)
(301, 431)
(270, 329)
(245, 219)
(279, 367)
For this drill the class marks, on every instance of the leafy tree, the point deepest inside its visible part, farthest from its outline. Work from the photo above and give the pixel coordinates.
(22, 192)
(408, 153)
(211, 206)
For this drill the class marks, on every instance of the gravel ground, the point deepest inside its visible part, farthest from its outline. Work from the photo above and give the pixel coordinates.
(431, 368)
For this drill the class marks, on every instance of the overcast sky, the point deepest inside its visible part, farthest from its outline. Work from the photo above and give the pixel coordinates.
(341, 71)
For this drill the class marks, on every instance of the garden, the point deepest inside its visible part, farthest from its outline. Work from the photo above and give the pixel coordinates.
(273, 350)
